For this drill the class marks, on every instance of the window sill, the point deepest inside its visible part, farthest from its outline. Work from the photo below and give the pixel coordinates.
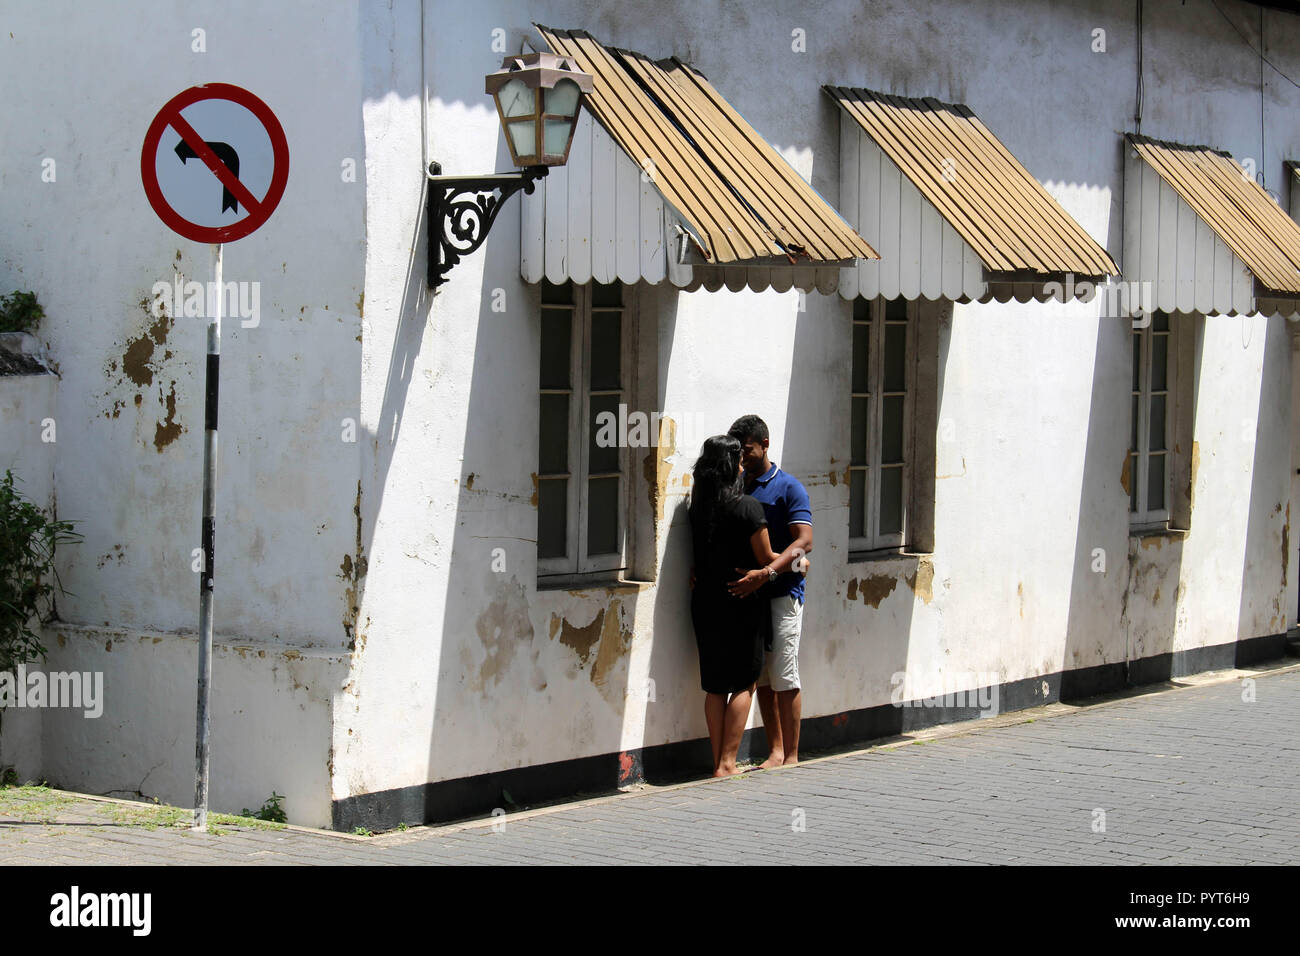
(1158, 531)
(888, 554)
(594, 581)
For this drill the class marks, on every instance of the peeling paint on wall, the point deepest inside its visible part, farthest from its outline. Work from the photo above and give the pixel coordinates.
(1286, 544)
(875, 588)
(615, 641)
(921, 581)
(135, 370)
(168, 430)
(353, 569)
(580, 639)
(503, 627)
(604, 642)
(657, 469)
(137, 360)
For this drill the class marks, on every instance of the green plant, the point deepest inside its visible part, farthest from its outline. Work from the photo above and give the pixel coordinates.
(362, 831)
(216, 820)
(20, 312)
(402, 827)
(28, 577)
(272, 810)
(150, 817)
(34, 804)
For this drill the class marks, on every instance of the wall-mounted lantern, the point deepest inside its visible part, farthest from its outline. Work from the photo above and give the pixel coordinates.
(538, 96)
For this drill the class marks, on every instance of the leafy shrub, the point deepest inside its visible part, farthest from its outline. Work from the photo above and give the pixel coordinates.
(20, 312)
(28, 578)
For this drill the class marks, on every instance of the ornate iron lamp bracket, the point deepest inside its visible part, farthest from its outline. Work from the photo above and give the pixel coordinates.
(461, 210)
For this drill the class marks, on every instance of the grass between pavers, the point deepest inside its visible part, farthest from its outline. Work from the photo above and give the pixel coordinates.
(37, 803)
(33, 803)
(218, 820)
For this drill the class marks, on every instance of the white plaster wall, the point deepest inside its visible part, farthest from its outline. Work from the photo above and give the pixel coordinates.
(91, 247)
(82, 82)
(466, 670)
(458, 669)
(1234, 576)
(270, 721)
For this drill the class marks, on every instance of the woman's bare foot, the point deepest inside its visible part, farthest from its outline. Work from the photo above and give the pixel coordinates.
(725, 771)
(773, 761)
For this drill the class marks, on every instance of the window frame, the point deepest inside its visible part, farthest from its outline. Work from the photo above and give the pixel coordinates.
(1141, 517)
(873, 541)
(577, 564)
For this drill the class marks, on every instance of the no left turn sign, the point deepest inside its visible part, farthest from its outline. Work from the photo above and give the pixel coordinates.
(215, 163)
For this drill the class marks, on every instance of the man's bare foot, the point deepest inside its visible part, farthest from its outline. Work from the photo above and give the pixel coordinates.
(772, 762)
(791, 760)
(724, 771)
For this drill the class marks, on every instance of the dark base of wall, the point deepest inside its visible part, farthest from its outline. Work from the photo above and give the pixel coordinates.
(447, 800)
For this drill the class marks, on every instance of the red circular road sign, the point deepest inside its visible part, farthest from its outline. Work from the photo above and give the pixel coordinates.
(235, 191)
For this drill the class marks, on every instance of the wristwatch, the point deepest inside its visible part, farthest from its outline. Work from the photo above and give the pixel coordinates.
(771, 573)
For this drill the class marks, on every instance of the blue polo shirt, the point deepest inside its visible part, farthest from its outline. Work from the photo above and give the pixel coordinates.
(785, 502)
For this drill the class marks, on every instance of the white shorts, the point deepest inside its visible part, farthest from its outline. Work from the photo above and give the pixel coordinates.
(781, 663)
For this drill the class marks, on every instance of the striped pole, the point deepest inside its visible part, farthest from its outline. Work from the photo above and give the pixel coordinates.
(203, 731)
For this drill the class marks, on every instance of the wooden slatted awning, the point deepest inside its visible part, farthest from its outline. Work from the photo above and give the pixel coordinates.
(738, 198)
(1234, 206)
(1012, 223)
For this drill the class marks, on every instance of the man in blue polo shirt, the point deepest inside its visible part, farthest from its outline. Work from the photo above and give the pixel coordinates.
(789, 522)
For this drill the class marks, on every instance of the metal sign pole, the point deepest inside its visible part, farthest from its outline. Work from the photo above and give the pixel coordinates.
(203, 732)
(226, 137)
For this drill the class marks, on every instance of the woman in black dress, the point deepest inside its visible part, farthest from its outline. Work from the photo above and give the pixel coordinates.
(729, 533)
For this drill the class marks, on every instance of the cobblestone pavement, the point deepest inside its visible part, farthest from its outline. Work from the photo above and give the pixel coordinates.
(1189, 775)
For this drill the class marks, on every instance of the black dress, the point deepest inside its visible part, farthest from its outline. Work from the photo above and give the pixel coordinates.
(729, 631)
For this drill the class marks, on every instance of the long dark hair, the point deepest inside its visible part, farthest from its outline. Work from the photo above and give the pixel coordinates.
(715, 480)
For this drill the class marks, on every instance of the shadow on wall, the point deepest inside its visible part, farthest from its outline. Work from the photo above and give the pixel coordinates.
(553, 669)
(846, 671)
(379, 446)
(1118, 577)
(1266, 562)
(1096, 651)
(673, 648)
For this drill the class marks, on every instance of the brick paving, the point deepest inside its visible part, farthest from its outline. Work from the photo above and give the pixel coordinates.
(1190, 775)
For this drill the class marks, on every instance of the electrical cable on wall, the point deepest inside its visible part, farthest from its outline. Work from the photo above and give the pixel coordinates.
(1262, 175)
(1252, 46)
(1263, 59)
(1137, 118)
